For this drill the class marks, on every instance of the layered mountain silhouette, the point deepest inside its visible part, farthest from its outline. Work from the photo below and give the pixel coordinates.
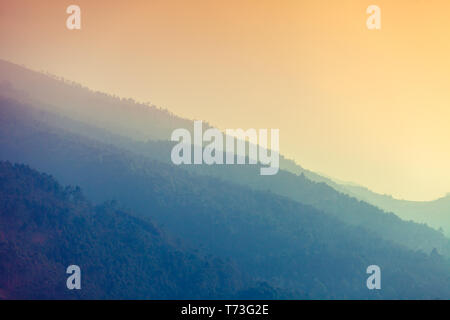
(435, 213)
(145, 130)
(287, 232)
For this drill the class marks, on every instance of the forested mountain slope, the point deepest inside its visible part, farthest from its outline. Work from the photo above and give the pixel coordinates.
(46, 227)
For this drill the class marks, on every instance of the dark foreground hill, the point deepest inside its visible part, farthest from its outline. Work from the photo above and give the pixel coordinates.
(45, 228)
(269, 238)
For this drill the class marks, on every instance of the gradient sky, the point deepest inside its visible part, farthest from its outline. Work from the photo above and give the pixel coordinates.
(366, 106)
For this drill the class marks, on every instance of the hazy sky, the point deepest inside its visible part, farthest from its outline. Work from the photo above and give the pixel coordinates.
(368, 106)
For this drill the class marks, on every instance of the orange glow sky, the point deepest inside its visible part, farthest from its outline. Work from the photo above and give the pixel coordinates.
(372, 107)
